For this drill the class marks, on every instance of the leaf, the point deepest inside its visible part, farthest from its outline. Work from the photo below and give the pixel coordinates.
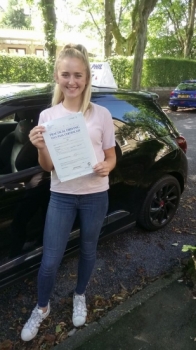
(98, 310)
(187, 206)
(58, 328)
(111, 269)
(128, 256)
(50, 338)
(191, 199)
(24, 310)
(175, 244)
(123, 287)
(186, 248)
(6, 345)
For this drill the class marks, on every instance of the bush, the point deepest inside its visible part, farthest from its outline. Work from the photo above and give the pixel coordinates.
(26, 68)
(167, 71)
(157, 72)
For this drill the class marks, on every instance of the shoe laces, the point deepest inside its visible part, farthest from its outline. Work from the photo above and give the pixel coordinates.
(35, 319)
(79, 305)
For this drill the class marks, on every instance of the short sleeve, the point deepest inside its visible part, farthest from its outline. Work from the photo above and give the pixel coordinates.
(108, 140)
(41, 118)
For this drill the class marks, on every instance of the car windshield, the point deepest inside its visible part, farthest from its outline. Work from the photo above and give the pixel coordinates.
(186, 86)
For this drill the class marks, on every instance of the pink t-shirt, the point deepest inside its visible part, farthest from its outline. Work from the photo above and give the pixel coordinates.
(101, 131)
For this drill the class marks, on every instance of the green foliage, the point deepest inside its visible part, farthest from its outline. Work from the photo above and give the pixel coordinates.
(167, 71)
(24, 69)
(168, 29)
(160, 72)
(187, 248)
(47, 9)
(163, 72)
(49, 20)
(15, 16)
(122, 68)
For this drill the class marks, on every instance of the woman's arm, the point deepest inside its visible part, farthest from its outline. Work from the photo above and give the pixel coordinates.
(104, 168)
(37, 140)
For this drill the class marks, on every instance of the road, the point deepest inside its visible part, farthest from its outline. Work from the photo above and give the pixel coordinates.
(125, 263)
(185, 121)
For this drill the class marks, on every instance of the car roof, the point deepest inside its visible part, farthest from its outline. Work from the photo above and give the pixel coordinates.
(13, 91)
(30, 91)
(189, 81)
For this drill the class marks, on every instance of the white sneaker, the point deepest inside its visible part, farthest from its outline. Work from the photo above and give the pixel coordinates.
(31, 327)
(79, 310)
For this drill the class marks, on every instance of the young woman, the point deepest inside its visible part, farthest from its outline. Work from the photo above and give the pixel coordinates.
(86, 195)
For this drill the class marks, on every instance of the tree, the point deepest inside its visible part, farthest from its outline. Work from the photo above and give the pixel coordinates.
(49, 25)
(15, 16)
(189, 28)
(49, 19)
(171, 29)
(144, 9)
(126, 26)
(111, 22)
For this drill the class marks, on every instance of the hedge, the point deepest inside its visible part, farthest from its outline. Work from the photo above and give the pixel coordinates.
(14, 69)
(157, 72)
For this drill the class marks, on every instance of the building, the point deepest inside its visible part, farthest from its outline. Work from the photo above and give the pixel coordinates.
(21, 41)
(31, 42)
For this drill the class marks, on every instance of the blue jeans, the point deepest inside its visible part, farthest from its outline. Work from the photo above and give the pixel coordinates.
(60, 217)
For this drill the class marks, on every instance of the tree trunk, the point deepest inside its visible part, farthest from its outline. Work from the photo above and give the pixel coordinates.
(108, 33)
(49, 18)
(114, 28)
(190, 28)
(145, 7)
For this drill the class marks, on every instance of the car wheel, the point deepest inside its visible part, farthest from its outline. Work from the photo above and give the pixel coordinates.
(160, 204)
(173, 108)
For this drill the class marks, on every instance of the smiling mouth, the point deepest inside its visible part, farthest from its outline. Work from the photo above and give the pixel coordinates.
(72, 88)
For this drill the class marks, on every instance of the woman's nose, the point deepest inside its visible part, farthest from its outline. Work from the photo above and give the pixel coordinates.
(71, 79)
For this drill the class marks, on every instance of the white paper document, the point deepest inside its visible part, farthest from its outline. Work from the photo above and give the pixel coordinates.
(70, 146)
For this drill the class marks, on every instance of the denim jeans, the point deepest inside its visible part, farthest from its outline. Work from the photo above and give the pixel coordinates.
(60, 217)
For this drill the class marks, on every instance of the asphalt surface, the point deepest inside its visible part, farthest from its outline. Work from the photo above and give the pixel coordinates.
(161, 317)
(127, 264)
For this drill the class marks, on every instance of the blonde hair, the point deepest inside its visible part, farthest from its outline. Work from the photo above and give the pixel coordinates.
(78, 51)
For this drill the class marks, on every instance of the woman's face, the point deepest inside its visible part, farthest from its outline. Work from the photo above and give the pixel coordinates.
(71, 77)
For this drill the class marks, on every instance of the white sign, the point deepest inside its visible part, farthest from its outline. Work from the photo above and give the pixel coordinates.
(102, 75)
(70, 146)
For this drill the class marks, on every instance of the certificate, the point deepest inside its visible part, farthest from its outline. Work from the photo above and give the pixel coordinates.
(70, 146)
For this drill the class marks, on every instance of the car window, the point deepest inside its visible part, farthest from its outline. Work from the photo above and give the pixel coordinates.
(142, 118)
(16, 151)
(186, 87)
(8, 118)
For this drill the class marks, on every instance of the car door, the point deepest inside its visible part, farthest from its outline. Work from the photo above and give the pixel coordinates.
(24, 191)
(141, 134)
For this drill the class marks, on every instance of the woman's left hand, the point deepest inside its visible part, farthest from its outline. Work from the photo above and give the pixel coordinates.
(102, 168)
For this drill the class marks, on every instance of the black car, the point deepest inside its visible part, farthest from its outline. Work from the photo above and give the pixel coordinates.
(145, 186)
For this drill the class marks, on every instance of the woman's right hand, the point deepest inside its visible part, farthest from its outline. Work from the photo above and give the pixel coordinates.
(36, 137)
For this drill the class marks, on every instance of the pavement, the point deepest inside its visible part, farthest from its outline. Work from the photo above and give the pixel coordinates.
(162, 316)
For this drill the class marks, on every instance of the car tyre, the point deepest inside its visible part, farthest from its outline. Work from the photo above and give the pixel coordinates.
(160, 204)
(173, 108)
